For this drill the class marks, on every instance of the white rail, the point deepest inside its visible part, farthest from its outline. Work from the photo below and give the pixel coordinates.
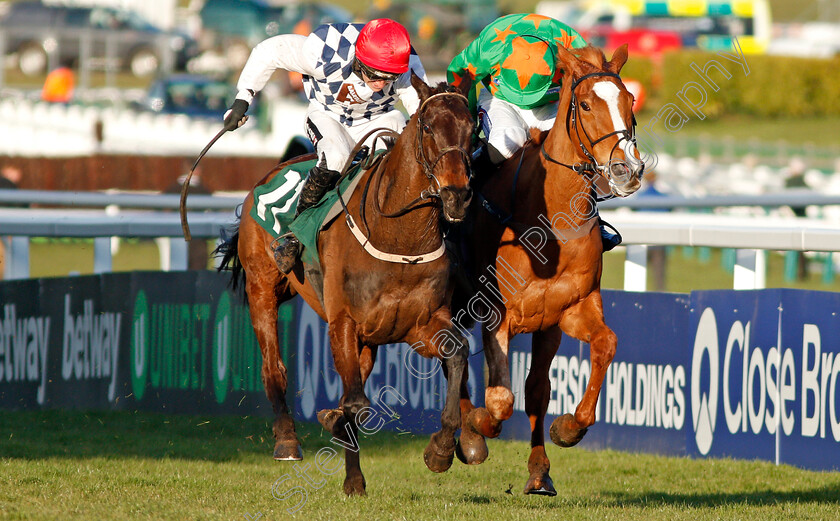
(748, 235)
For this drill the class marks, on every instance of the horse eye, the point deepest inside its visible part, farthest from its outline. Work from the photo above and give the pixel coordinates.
(427, 128)
(584, 105)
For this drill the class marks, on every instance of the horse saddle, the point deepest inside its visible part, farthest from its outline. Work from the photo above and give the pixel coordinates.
(275, 205)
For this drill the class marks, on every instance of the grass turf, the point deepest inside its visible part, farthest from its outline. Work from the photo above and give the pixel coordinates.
(130, 465)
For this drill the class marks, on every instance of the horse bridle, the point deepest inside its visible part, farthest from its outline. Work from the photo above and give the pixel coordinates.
(428, 170)
(571, 122)
(433, 192)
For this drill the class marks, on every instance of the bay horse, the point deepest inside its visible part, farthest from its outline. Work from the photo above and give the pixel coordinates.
(539, 252)
(367, 301)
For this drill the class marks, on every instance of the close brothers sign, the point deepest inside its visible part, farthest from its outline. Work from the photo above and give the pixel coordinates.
(742, 374)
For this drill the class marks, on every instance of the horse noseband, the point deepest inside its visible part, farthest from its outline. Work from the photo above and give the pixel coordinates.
(420, 151)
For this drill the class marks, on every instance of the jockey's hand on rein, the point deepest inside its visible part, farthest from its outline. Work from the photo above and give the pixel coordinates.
(235, 116)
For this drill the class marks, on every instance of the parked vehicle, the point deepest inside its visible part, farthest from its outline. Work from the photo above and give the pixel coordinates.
(652, 28)
(439, 29)
(236, 26)
(42, 35)
(190, 94)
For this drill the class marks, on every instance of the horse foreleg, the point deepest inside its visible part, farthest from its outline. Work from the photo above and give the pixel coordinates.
(441, 340)
(263, 302)
(537, 394)
(346, 355)
(366, 360)
(585, 321)
(471, 447)
(498, 398)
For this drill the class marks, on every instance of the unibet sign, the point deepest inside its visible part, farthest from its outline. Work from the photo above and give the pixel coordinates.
(168, 346)
(237, 369)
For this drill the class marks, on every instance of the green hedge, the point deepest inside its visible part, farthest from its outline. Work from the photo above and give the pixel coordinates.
(775, 85)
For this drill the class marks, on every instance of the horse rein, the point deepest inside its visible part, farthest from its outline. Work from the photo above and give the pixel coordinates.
(422, 159)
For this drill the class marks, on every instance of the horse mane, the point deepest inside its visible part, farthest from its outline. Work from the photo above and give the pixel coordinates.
(537, 136)
(443, 87)
(592, 56)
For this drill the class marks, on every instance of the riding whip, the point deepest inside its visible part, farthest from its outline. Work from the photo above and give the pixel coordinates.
(185, 227)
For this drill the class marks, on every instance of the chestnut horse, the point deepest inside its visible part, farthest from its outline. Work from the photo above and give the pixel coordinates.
(367, 301)
(540, 254)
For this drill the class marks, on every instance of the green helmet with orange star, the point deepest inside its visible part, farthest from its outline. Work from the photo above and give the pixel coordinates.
(527, 72)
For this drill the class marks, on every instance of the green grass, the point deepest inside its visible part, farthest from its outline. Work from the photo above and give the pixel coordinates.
(124, 465)
(690, 269)
(63, 257)
(819, 131)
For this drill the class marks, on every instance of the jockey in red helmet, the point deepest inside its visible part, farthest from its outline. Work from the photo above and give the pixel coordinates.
(353, 76)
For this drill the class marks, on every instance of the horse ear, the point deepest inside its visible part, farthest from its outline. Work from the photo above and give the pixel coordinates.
(567, 61)
(420, 86)
(465, 85)
(619, 58)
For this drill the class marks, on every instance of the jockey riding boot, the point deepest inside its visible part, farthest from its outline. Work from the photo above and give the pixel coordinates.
(319, 180)
(608, 239)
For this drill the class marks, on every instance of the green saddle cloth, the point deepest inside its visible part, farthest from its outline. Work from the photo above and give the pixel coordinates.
(275, 204)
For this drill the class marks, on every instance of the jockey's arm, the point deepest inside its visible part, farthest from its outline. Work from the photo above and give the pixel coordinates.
(285, 51)
(403, 86)
(473, 62)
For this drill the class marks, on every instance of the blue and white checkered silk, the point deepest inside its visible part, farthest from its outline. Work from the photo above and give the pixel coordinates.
(335, 86)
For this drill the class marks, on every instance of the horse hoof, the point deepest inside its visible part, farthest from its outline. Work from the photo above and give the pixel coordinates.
(470, 448)
(435, 461)
(540, 485)
(355, 486)
(329, 417)
(287, 450)
(482, 423)
(563, 433)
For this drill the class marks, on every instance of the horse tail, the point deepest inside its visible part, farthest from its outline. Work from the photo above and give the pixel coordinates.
(228, 250)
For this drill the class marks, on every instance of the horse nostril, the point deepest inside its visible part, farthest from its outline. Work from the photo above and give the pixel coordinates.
(619, 170)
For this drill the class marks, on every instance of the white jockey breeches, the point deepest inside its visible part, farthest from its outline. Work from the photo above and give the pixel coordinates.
(334, 140)
(506, 126)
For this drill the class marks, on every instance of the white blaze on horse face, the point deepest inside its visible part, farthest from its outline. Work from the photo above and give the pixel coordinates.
(608, 91)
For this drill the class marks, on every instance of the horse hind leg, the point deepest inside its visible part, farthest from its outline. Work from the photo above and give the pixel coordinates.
(587, 323)
(263, 301)
(537, 395)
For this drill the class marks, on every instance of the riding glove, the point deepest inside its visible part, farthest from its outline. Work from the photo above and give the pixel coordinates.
(235, 116)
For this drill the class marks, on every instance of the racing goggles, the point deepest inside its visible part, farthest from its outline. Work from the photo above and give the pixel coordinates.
(376, 75)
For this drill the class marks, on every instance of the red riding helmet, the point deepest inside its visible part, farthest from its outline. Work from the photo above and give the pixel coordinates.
(384, 45)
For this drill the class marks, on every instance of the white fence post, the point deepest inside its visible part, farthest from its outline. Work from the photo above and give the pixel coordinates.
(178, 252)
(750, 270)
(102, 260)
(635, 268)
(16, 262)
